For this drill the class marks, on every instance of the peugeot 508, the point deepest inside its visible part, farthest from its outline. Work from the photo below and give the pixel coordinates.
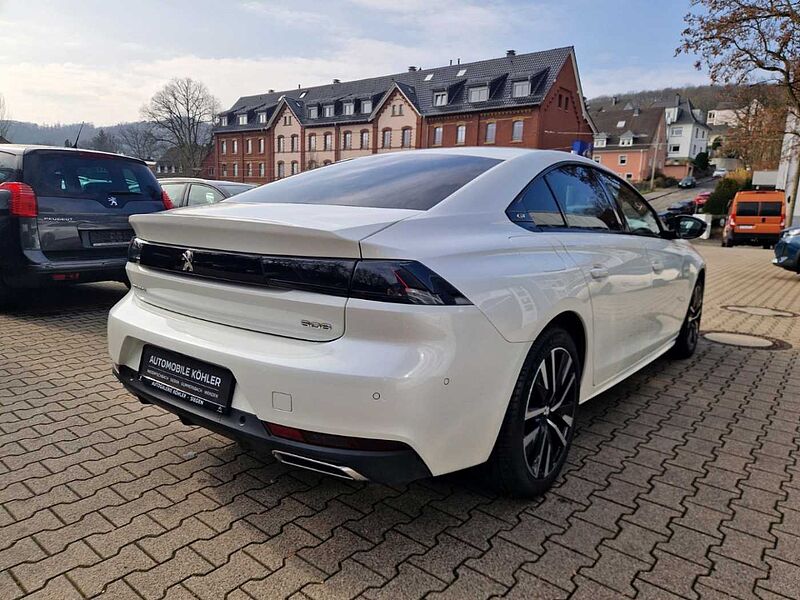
(409, 314)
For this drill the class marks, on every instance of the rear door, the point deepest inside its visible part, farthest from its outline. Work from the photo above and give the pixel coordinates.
(747, 217)
(615, 266)
(770, 215)
(85, 199)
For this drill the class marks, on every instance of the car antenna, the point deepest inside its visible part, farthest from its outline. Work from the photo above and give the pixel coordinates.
(77, 137)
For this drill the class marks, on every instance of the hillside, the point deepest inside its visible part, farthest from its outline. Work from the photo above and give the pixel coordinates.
(22, 132)
(704, 97)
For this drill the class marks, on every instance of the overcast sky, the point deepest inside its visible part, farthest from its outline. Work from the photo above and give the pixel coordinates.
(100, 60)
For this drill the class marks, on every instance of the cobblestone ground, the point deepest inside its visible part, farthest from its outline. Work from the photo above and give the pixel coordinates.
(682, 482)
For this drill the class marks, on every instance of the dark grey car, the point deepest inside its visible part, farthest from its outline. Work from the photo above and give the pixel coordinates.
(64, 214)
(190, 191)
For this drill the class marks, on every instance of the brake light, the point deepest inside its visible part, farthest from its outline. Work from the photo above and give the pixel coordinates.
(783, 222)
(732, 221)
(333, 441)
(406, 282)
(23, 199)
(166, 200)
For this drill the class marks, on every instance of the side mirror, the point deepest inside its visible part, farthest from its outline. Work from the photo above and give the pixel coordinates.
(688, 228)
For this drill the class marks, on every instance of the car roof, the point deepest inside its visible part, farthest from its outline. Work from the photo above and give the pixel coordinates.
(759, 195)
(199, 180)
(24, 148)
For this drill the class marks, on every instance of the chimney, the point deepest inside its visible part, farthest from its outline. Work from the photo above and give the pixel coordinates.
(511, 52)
(412, 68)
(337, 81)
(458, 60)
(451, 62)
(614, 100)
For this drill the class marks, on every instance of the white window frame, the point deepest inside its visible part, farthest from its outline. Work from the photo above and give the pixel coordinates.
(438, 134)
(620, 124)
(261, 145)
(622, 159)
(249, 169)
(366, 106)
(347, 140)
(262, 169)
(249, 146)
(384, 138)
(235, 169)
(520, 89)
(364, 139)
(405, 141)
(281, 169)
(676, 132)
(327, 141)
(312, 142)
(327, 110)
(673, 148)
(242, 119)
(262, 117)
(294, 168)
(626, 141)
(223, 147)
(480, 91)
(517, 137)
(348, 108)
(440, 98)
(600, 143)
(235, 146)
(461, 135)
(313, 112)
(493, 127)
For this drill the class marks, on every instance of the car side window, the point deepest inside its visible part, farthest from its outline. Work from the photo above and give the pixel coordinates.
(582, 199)
(637, 212)
(536, 205)
(8, 166)
(174, 191)
(203, 194)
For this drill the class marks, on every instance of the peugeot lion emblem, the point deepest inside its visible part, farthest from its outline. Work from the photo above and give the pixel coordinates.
(112, 201)
(187, 257)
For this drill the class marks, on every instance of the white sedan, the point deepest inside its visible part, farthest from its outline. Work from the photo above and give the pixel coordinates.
(408, 314)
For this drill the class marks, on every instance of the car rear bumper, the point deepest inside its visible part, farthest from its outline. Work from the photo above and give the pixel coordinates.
(761, 238)
(42, 273)
(435, 378)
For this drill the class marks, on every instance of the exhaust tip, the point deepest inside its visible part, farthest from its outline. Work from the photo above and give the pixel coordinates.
(319, 466)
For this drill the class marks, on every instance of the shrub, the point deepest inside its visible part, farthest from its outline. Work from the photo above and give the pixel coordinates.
(670, 181)
(701, 161)
(722, 195)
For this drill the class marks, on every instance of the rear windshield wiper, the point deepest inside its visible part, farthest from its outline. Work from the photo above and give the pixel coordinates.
(124, 193)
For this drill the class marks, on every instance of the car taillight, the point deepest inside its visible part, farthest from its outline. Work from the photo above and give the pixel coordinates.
(732, 221)
(404, 281)
(783, 222)
(23, 199)
(166, 200)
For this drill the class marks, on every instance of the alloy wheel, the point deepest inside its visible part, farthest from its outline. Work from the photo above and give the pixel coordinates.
(550, 412)
(693, 317)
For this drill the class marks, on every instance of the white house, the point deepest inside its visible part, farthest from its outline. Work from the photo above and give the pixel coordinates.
(687, 132)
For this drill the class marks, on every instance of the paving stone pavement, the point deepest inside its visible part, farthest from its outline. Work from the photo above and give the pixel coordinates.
(682, 482)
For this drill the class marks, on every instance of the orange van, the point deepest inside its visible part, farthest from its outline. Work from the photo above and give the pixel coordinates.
(755, 217)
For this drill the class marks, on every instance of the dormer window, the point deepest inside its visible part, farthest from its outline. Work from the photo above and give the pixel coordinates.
(348, 108)
(440, 98)
(521, 89)
(600, 142)
(327, 110)
(242, 119)
(262, 117)
(479, 94)
(313, 112)
(223, 119)
(626, 141)
(366, 106)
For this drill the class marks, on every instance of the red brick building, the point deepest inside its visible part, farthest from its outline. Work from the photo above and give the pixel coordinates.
(532, 100)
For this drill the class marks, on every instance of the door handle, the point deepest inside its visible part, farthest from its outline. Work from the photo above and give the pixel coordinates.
(658, 266)
(598, 272)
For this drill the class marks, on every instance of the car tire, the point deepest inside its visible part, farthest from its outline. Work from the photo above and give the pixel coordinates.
(689, 335)
(537, 430)
(6, 296)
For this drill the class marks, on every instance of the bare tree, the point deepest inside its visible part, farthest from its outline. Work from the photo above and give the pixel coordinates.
(139, 140)
(5, 118)
(756, 135)
(182, 112)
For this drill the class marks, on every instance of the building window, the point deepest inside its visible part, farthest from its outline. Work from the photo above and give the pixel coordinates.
(520, 89)
(676, 131)
(295, 167)
(249, 169)
(261, 169)
(312, 142)
(440, 98)
(620, 124)
(242, 119)
(366, 106)
(158, 168)
(566, 102)
(249, 146)
(437, 136)
(622, 159)
(461, 134)
(406, 137)
(327, 110)
(295, 143)
(281, 143)
(173, 168)
(224, 168)
(235, 146)
(261, 146)
(600, 143)
(347, 140)
(560, 100)
(628, 176)
(364, 139)
(387, 138)
(479, 94)
(223, 147)
(281, 170)
(235, 169)
(626, 141)
(262, 117)
(287, 120)
(223, 120)
(313, 112)
(596, 158)
(491, 131)
(675, 148)
(210, 171)
(348, 108)
(516, 131)
(327, 141)
(397, 110)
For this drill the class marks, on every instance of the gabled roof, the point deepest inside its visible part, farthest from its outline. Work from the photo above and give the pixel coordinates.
(408, 92)
(540, 68)
(640, 123)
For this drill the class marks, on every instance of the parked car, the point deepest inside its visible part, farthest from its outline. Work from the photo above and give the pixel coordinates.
(408, 314)
(719, 172)
(64, 215)
(687, 182)
(684, 207)
(787, 250)
(188, 191)
(701, 199)
(755, 217)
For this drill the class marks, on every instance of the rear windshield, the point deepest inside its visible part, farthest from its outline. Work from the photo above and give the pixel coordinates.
(87, 175)
(756, 209)
(398, 180)
(234, 189)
